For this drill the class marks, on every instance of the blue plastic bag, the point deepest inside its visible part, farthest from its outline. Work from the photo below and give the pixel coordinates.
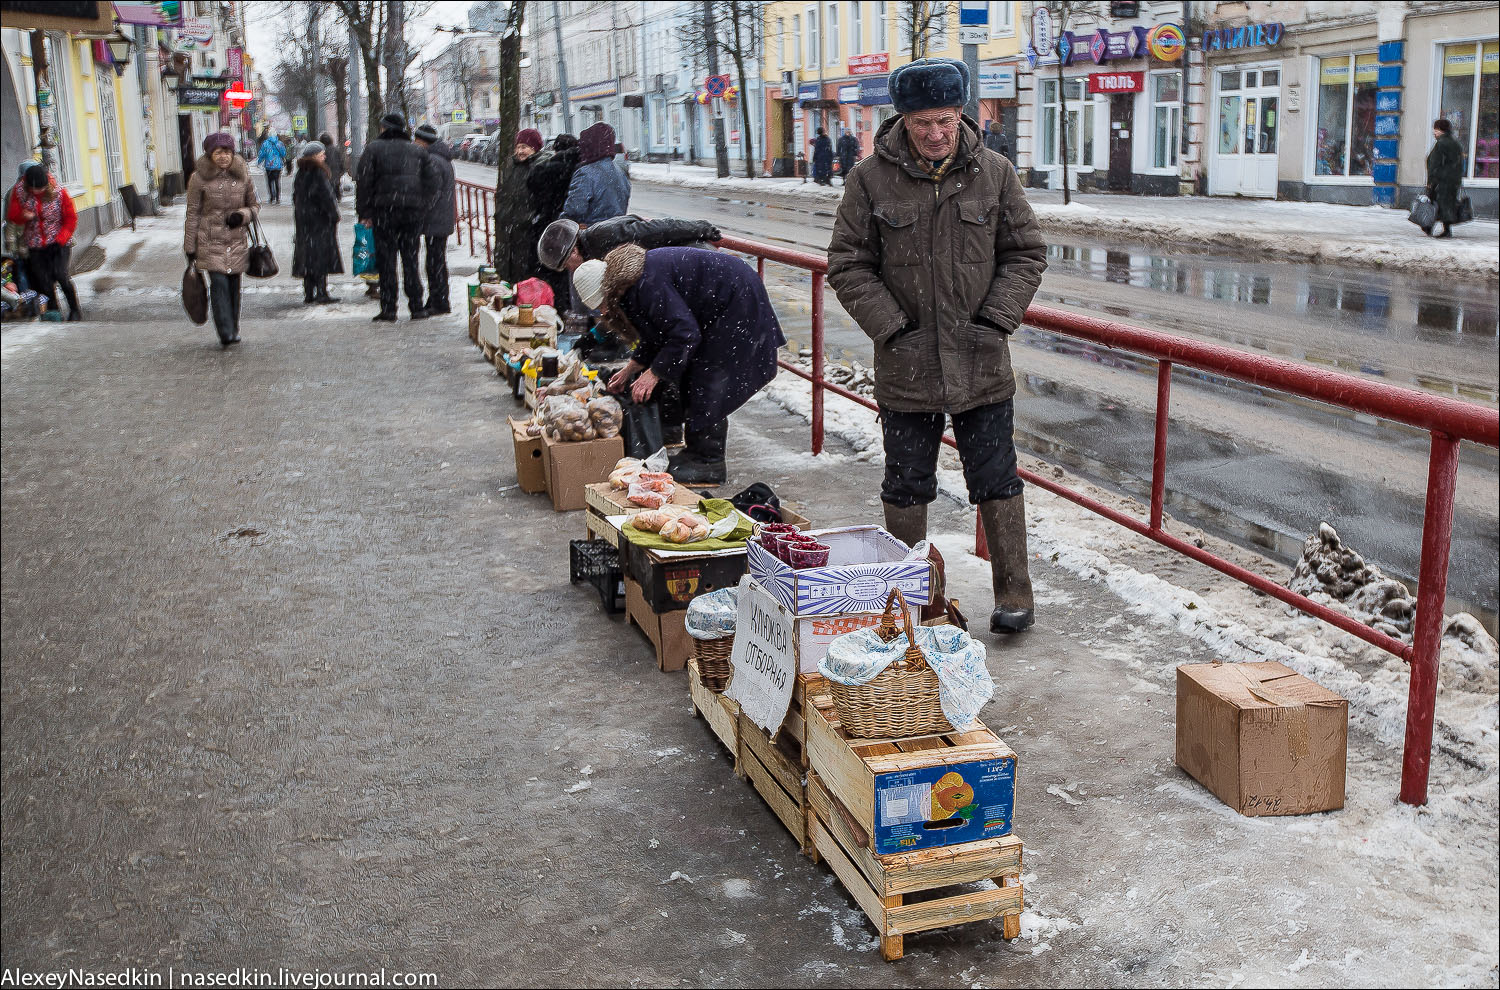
(364, 251)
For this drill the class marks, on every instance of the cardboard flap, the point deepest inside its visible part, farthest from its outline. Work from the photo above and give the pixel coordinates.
(1250, 686)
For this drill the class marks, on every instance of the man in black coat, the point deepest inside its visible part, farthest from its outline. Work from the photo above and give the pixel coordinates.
(438, 226)
(393, 192)
(564, 245)
(848, 154)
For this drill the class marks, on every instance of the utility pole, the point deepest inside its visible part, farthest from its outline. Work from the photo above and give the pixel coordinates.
(711, 42)
(562, 69)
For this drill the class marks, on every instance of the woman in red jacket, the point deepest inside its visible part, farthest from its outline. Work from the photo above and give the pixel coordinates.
(46, 210)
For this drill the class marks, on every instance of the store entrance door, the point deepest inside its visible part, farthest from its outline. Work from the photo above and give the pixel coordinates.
(1245, 132)
(1121, 121)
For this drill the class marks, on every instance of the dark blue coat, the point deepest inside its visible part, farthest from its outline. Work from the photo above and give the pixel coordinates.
(705, 320)
(597, 191)
(822, 157)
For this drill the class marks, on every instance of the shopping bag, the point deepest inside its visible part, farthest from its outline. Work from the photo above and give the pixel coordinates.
(1465, 210)
(1423, 213)
(641, 428)
(195, 294)
(364, 250)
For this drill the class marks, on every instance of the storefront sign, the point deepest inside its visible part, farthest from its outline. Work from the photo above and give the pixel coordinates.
(234, 59)
(809, 91)
(1246, 36)
(201, 94)
(1166, 42)
(868, 65)
(875, 92)
(1106, 45)
(160, 13)
(1117, 82)
(1041, 32)
(195, 34)
(997, 82)
(1066, 47)
(849, 94)
(764, 657)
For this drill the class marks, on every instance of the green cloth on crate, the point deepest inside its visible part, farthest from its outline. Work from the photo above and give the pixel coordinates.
(712, 509)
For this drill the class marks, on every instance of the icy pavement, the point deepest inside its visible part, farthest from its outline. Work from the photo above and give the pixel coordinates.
(1318, 232)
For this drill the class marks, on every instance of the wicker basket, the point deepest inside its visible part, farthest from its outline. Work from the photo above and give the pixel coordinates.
(714, 667)
(902, 700)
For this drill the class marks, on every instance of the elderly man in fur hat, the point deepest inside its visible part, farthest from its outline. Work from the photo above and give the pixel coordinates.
(936, 255)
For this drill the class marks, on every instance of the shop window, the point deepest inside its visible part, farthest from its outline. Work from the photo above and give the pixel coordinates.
(1229, 125)
(1471, 103)
(1346, 114)
(1166, 118)
(1080, 124)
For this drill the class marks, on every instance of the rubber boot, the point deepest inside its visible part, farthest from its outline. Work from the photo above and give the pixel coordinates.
(1005, 535)
(907, 523)
(701, 462)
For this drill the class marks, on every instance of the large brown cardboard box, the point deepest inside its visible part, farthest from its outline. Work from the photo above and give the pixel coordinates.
(531, 472)
(667, 631)
(1263, 738)
(571, 466)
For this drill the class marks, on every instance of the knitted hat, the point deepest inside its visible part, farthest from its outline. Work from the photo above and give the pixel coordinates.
(221, 139)
(530, 136)
(929, 83)
(557, 243)
(393, 121)
(426, 133)
(313, 148)
(589, 281)
(596, 143)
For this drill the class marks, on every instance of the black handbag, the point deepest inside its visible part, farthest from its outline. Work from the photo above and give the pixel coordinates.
(1423, 213)
(195, 294)
(1465, 210)
(261, 262)
(641, 427)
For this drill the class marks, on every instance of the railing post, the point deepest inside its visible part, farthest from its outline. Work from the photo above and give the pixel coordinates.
(1432, 589)
(458, 228)
(817, 363)
(1159, 452)
(489, 253)
(760, 266)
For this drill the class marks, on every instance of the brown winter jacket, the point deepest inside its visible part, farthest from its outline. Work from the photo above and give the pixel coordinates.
(211, 196)
(941, 257)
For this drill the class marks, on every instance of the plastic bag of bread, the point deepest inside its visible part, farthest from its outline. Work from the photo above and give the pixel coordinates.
(651, 489)
(607, 415)
(652, 520)
(687, 528)
(625, 471)
(567, 419)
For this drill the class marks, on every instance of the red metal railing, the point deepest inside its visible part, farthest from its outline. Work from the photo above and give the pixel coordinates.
(473, 205)
(1449, 422)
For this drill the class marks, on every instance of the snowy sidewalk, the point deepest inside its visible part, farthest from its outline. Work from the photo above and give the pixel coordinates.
(1367, 236)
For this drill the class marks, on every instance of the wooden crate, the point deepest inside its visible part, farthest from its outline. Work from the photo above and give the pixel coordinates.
(598, 528)
(605, 499)
(778, 770)
(917, 891)
(721, 715)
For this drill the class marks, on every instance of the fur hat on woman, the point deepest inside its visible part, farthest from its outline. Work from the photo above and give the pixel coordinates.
(220, 139)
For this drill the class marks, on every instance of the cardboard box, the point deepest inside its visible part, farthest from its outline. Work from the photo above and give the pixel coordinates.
(667, 631)
(1263, 738)
(866, 562)
(509, 336)
(570, 467)
(531, 468)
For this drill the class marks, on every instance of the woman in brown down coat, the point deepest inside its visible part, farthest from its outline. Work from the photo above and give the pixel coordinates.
(221, 205)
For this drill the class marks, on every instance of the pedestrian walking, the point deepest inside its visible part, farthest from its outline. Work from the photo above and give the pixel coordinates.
(936, 255)
(598, 190)
(822, 158)
(699, 318)
(1445, 175)
(221, 206)
(996, 141)
(315, 209)
(515, 247)
(848, 153)
(272, 158)
(48, 218)
(441, 218)
(548, 183)
(392, 193)
(335, 163)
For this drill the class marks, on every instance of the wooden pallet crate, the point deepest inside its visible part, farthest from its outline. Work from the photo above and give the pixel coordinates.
(720, 713)
(778, 770)
(905, 893)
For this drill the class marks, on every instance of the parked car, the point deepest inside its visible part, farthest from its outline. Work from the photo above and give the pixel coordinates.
(489, 150)
(466, 144)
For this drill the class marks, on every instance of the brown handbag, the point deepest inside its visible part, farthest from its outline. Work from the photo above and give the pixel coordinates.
(195, 294)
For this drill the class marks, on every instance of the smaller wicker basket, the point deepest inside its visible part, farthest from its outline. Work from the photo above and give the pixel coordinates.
(714, 667)
(902, 700)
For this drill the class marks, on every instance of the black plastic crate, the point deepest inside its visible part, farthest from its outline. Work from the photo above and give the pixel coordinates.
(598, 563)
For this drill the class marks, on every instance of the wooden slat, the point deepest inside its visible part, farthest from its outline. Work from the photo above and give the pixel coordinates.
(721, 714)
(886, 763)
(956, 910)
(920, 743)
(849, 875)
(787, 774)
(789, 809)
(842, 771)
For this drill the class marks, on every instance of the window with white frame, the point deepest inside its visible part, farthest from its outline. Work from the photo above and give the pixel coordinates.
(811, 58)
(882, 28)
(856, 28)
(831, 34)
(1080, 134)
(1002, 20)
(937, 25)
(1166, 118)
(781, 42)
(797, 38)
(1470, 101)
(1345, 142)
(58, 77)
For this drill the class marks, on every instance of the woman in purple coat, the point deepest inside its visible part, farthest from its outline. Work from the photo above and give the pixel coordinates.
(700, 318)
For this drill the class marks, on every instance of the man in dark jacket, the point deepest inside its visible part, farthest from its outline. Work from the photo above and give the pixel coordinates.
(848, 154)
(335, 163)
(699, 318)
(936, 255)
(1445, 175)
(564, 245)
(393, 192)
(996, 141)
(822, 158)
(515, 239)
(438, 226)
(598, 190)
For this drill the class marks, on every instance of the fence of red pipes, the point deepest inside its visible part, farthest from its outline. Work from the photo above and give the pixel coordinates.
(1448, 421)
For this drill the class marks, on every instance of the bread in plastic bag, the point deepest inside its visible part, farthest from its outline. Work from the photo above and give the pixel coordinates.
(652, 520)
(689, 528)
(626, 470)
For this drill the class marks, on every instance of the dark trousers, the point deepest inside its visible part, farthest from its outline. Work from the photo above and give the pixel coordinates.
(47, 268)
(273, 184)
(985, 446)
(708, 444)
(224, 301)
(403, 244)
(314, 287)
(437, 273)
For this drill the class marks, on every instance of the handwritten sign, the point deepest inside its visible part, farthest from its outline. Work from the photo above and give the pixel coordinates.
(764, 657)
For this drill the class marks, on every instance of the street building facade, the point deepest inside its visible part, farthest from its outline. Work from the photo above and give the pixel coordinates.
(600, 58)
(461, 85)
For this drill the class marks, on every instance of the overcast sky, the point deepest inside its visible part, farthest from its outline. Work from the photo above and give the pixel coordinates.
(263, 23)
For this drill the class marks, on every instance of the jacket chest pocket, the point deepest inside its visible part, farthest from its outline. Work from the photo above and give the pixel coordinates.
(900, 234)
(978, 222)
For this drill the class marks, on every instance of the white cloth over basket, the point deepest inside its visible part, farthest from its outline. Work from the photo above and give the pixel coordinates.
(712, 616)
(964, 682)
